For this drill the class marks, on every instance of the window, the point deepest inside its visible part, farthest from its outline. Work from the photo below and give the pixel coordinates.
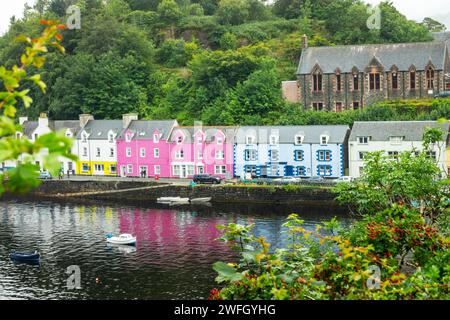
(324, 139)
(431, 155)
(200, 169)
(111, 137)
(355, 105)
(70, 166)
(274, 155)
(317, 106)
(394, 78)
(430, 78)
(393, 154)
(250, 155)
(220, 170)
(363, 140)
(83, 137)
(130, 168)
(176, 170)
(98, 152)
(36, 136)
(301, 171)
(298, 155)
(356, 82)
(18, 135)
(361, 155)
(338, 106)
(85, 167)
(199, 154)
(219, 140)
(299, 139)
(324, 170)
(199, 139)
(156, 152)
(220, 154)
(157, 169)
(273, 139)
(324, 155)
(68, 134)
(84, 152)
(338, 83)
(250, 169)
(142, 152)
(111, 152)
(113, 168)
(128, 152)
(128, 137)
(412, 80)
(99, 167)
(374, 81)
(180, 139)
(274, 170)
(155, 138)
(250, 139)
(190, 170)
(396, 139)
(317, 82)
(179, 154)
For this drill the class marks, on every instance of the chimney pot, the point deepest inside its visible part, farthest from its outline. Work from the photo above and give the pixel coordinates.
(304, 41)
(22, 120)
(84, 118)
(127, 118)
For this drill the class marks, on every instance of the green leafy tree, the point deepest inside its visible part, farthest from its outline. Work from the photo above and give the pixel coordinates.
(233, 12)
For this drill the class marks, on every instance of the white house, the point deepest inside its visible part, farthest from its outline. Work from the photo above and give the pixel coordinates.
(302, 151)
(392, 137)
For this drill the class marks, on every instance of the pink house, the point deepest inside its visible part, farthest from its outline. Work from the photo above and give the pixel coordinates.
(142, 148)
(202, 150)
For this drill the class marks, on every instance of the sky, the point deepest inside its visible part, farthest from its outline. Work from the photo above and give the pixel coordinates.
(413, 9)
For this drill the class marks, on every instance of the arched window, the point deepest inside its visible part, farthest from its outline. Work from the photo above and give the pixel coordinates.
(430, 78)
(317, 82)
(412, 78)
(355, 76)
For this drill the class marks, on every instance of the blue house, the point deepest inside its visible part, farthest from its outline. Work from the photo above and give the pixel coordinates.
(299, 151)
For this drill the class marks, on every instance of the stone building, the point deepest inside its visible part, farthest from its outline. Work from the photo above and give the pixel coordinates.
(351, 77)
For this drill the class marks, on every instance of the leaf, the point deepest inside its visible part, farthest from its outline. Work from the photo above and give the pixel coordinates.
(226, 273)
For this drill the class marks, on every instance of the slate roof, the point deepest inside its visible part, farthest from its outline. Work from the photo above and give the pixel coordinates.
(286, 134)
(402, 55)
(98, 129)
(29, 127)
(382, 130)
(144, 128)
(57, 125)
(229, 131)
(442, 36)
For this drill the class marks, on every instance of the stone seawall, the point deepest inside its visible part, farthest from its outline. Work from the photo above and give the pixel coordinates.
(219, 194)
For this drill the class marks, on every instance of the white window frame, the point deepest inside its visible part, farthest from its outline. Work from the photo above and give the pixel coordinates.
(85, 151)
(299, 139)
(111, 152)
(129, 168)
(220, 154)
(156, 138)
(142, 152)
(363, 140)
(324, 139)
(156, 153)
(200, 154)
(157, 169)
(220, 169)
(179, 154)
(128, 152)
(273, 139)
(250, 140)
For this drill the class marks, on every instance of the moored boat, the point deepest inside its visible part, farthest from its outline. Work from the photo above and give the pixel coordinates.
(25, 256)
(124, 238)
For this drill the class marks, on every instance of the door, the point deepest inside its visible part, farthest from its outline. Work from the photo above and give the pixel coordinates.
(183, 172)
(123, 171)
(143, 172)
(99, 169)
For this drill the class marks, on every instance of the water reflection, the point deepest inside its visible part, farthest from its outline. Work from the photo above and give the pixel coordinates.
(172, 259)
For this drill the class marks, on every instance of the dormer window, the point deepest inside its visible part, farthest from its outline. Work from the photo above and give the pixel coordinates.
(324, 139)
(156, 138)
(179, 139)
(363, 140)
(128, 137)
(219, 140)
(68, 134)
(249, 139)
(199, 139)
(396, 139)
(84, 137)
(273, 139)
(111, 137)
(299, 139)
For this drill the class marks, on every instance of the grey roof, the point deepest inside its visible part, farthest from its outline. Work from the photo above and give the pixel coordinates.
(286, 134)
(402, 55)
(144, 128)
(382, 130)
(442, 36)
(57, 125)
(210, 132)
(98, 129)
(29, 127)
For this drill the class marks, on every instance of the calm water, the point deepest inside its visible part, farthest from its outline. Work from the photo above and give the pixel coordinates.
(172, 260)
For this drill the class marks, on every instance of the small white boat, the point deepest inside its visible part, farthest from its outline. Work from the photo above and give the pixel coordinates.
(124, 238)
(172, 199)
(194, 200)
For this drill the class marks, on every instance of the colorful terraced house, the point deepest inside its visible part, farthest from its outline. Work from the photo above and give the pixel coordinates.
(96, 145)
(202, 150)
(142, 148)
(297, 151)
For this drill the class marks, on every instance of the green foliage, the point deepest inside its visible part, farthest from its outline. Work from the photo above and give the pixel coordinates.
(48, 147)
(176, 52)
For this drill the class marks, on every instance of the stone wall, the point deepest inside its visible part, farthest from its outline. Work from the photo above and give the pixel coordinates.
(219, 194)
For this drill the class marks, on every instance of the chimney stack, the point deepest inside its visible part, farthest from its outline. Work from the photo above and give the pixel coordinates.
(22, 120)
(127, 118)
(43, 120)
(304, 41)
(84, 118)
